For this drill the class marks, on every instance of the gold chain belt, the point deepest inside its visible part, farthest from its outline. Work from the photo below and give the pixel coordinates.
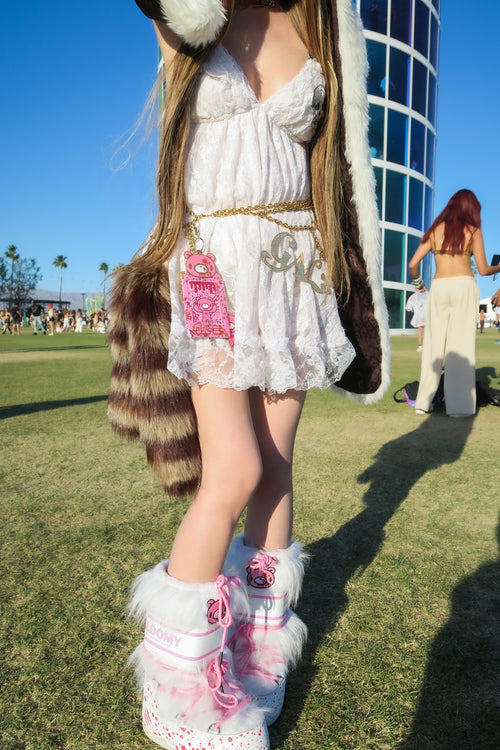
(263, 211)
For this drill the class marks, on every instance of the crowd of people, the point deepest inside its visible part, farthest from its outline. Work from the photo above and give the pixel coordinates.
(49, 321)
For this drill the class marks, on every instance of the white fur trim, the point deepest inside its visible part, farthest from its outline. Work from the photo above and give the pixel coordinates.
(197, 22)
(178, 603)
(289, 569)
(288, 643)
(352, 48)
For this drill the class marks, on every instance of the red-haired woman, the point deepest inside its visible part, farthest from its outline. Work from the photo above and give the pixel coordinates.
(450, 325)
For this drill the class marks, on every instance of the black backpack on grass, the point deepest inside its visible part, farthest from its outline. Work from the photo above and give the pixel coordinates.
(485, 394)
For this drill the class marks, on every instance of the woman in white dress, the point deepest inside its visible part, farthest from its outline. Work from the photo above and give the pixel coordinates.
(262, 223)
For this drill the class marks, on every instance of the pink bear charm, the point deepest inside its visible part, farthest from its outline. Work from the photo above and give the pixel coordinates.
(260, 571)
(214, 607)
(204, 298)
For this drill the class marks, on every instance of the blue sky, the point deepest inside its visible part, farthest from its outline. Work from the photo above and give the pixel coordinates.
(74, 81)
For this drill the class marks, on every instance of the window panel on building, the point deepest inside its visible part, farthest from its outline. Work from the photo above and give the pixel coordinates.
(379, 187)
(376, 58)
(417, 146)
(394, 300)
(397, 137)
(416, 204)
(429, 161)
(395, 197)
(374, 15)
(376, 131)
(436, 4)
(401, 20)
(431, 111)
(399, 66)
(433, 52)
(394, 255)
(428, 207)
(419, 88)
(421, 33)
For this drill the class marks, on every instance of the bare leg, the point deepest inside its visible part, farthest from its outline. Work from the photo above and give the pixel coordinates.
(270, 512)
(420, 331)
(231, 470)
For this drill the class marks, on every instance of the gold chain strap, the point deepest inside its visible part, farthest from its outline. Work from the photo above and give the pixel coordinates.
(263, 211)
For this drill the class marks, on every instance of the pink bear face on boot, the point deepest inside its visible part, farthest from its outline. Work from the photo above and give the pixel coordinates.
(261, 572)
(198, 264)
(214, 605)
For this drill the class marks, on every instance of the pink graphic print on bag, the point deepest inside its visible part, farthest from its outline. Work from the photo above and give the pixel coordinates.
(204, 298)
(260, 571)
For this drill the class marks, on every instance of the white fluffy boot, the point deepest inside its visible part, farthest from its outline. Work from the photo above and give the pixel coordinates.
(190, 695)
(269, 639)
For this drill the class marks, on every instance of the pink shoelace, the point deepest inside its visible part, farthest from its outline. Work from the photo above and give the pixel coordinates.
(218, 669)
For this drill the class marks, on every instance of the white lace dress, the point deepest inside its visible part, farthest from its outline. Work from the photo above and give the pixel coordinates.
(286, 333)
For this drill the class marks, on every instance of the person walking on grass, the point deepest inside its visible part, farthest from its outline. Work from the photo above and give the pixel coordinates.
(454, 238)
(36, 317)
(224, 320)
(17, 319)
(495, 301)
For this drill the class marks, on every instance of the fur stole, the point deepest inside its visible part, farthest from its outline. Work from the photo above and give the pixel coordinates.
(364, 315)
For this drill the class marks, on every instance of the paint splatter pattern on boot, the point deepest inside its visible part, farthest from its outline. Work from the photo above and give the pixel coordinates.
(173, 736)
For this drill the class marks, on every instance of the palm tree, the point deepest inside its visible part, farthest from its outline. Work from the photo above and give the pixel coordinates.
(60, 262)
(104, 268)
(13, 256)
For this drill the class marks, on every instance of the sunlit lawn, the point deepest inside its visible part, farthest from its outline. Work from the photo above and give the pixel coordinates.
(402, 594)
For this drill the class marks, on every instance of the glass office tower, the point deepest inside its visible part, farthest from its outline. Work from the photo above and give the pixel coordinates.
(402, 39)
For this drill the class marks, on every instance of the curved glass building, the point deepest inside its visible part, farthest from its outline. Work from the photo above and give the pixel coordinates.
(402, 39)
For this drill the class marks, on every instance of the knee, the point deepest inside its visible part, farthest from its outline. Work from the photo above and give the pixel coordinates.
(231, 487)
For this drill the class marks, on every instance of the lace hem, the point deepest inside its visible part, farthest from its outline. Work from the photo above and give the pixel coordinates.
(274, 372)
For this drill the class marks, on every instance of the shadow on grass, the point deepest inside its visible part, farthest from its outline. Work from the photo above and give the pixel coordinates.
(396, 469)
(16, 410)
(459, 704)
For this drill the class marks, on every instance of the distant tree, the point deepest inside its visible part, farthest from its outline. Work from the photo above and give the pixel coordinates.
(4, 278)
(26, 277)
(104, 268)
(60, 262)
(12, 255)
(19, 282)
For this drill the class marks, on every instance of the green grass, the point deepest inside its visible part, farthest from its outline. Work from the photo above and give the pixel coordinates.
(401, 596)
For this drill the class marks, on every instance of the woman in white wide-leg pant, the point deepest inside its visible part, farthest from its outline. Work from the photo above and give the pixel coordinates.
(450, 333)
(454, 238)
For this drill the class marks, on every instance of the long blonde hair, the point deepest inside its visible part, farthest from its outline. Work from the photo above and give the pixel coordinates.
(313, 22)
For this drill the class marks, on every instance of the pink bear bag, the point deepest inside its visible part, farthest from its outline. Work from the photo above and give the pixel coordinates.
(205, 299)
